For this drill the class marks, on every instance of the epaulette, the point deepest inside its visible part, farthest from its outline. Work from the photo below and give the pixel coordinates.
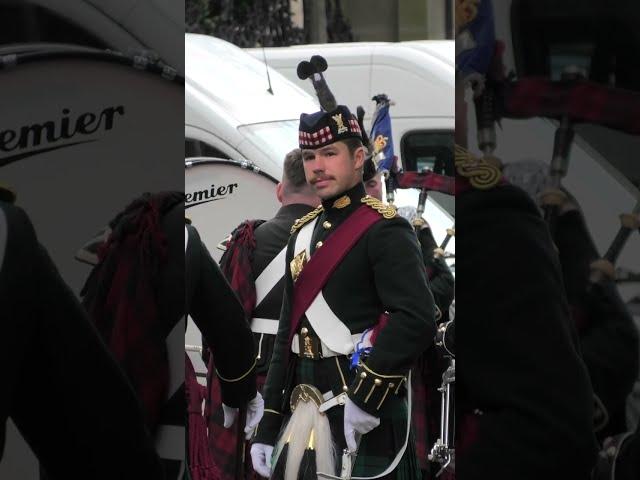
(7, 195)
(187, 220)
(482, 173)
(387, 211)
(307, 218)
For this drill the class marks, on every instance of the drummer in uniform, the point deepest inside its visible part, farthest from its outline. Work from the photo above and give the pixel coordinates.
(354, 281)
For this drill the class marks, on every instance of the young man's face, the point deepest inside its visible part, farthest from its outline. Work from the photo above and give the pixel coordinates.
(331, 170)
(374, 186)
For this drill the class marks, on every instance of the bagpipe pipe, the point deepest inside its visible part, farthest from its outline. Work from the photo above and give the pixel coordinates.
(570, 101)
(380, 145)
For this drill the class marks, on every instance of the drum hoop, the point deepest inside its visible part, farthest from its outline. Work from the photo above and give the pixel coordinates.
(245, 165)
(10, 61)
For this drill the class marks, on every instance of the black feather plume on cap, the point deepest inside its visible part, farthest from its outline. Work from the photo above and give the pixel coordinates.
(313, 69)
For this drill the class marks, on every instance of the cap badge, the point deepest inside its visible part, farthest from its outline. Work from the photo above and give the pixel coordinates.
(340, 123)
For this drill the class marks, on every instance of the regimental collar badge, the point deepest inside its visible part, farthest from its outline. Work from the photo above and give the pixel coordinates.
(342, 202)
(340, 123)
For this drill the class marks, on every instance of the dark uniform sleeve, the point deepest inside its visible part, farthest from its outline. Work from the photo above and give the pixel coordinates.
(218, 314)
(402, 287)
(61, 386)
(441, 281)
(267, 431)
(608, 335)
(520, 377)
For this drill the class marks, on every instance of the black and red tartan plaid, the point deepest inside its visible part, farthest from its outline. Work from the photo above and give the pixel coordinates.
(236, 263)
(121, 297)
(427, 180)
(201, 463)
(227, 445)
(324, 128)
(583, 102)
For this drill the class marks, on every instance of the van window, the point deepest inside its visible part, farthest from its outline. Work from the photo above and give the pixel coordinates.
(196, 148)
(428, 149)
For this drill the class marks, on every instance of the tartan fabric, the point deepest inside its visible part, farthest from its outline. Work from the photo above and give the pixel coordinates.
(584, 101)
(227, 445)
(429, 180)
(379, 447)
(236, 263)
(120, 296)
(201, 464)
(321, 136)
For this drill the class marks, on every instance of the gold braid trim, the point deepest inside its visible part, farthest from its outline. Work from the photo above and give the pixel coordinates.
(308, 217)
(387, 211)
(268, 410)
(482, 174)
(231, 380)
(379, 374)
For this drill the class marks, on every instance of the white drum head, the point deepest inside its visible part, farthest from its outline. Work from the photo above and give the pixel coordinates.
(222, 193)
(81, 135)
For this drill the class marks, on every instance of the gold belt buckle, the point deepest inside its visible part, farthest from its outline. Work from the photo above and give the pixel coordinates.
(309, 346)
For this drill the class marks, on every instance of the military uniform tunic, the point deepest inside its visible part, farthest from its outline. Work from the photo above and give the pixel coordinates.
(383, 272)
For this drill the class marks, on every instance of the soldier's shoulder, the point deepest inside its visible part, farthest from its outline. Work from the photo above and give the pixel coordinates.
(300, 222)
(386, 210)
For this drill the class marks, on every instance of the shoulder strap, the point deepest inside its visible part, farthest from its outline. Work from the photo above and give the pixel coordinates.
(325, 260)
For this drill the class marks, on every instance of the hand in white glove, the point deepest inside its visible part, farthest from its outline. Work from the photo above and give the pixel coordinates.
(255, 410)
(261, 459)
(358, 421)
(230, 415)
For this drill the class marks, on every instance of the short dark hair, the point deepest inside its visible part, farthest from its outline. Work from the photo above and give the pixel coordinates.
(353, 143)
(293, 176)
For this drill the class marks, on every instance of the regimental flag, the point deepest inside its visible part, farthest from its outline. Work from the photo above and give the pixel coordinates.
(476, 38)
(381, 137)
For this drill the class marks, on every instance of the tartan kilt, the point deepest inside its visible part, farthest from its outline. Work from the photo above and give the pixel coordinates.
(379, 447)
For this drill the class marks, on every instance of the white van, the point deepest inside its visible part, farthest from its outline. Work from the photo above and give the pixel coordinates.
(418, 76)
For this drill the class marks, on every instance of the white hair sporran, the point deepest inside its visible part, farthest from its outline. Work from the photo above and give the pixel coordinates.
(307, 428)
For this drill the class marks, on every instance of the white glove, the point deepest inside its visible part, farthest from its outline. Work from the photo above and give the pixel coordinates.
(356, 420)
(261, 459)
(255, 410)
(230, 415)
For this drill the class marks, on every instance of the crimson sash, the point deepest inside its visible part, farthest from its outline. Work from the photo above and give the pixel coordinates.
(325, 260)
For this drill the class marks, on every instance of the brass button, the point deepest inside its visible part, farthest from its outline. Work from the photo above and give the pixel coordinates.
(304, 331)
(326, 225)
(319, 244)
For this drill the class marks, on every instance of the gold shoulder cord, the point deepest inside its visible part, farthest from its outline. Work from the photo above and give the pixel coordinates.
(232, 380)
(481, 174)
(308, 217)
(387, 211)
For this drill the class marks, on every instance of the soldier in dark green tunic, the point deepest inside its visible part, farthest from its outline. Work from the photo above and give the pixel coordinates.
(378, 293)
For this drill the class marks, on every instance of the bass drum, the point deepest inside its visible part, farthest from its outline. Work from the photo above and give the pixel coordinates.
(220, 195)
(82, 133)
